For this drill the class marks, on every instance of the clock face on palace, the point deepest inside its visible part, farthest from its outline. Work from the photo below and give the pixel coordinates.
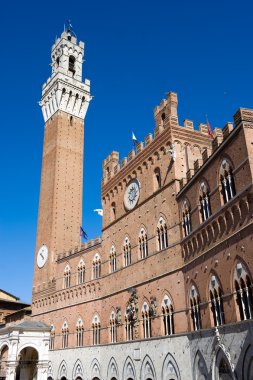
(42, 256)
(132, 194)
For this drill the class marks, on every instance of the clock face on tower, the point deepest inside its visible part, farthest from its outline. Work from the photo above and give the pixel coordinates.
(132, 194)
(42, 256)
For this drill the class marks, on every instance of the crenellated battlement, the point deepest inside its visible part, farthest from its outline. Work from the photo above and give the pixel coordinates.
(166, 118)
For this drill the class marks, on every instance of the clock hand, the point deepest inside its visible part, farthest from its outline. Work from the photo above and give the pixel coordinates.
(41, 255)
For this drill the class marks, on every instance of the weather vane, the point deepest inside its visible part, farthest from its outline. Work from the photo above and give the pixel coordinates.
(69, 28)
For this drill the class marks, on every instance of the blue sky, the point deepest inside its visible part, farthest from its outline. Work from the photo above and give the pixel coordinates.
(136, 51)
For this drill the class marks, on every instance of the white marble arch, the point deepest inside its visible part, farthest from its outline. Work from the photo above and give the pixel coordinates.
(112, 371)
(78, 370)
(129, 370)
(200, 371)
(95, 369)
(170, 369)
(221, 359)
(147, 369)
(63, 370)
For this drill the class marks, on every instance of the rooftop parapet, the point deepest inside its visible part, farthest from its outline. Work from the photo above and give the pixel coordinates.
(243, 115)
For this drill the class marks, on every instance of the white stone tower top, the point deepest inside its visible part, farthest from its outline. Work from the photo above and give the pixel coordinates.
(64, 90)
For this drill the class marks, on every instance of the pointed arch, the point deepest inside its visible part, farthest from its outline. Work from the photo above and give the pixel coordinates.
(186, 216)
(63, 370)
(221, 365)
(143, 242)
(162, 233)
(194, 301)
(67, 276)
(65, 334)
(96, 329)
(146, 320)
(200, 371)
(113, 260)
(227, 180)
(147, 369)
(216, 300)
(168, 315)
(170, 369)
(127, 251)
(204, 200)
(129, 370)
(243, 288)
(112, 370)
(78, 370)
(95, 369)
(81, 272)
(96, 267)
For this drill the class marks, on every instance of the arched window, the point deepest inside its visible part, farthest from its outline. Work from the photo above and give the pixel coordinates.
(162, 234)
(52, 338)
(157, 179)
(216, 302)
(227, 181)
(127, 252)
(168, 316)
(129, 325)
(195, 311)
(65, 335)
(187, 218)
(243, 287)
(72, 61)
(79, 333)
(204, 200)
(81, 272)
(113, 327)
(143, 243)
(113, 259)
(67, 277)
(96, 330)
(145, 312)
(96, 266)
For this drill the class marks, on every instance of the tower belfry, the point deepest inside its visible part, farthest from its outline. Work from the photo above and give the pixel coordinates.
(64, 103)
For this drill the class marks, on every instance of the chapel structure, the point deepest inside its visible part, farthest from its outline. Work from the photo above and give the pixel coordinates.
(166, 292)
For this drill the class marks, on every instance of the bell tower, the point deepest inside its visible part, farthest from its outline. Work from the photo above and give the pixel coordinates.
(64, 103)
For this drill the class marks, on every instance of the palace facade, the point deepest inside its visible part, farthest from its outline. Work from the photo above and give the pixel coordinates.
(166, 293)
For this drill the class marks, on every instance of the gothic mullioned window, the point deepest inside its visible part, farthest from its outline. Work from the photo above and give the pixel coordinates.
(168, 316)
(143, 243)
(243, 287)
(129, 325)
(187, 218)
(195, 311)
(227, 181)
(52, 338)
(113, 327)
(145, 312)
(79, 333)
(96, 330)
(81, 272)
(65, 335)
(96, 267)
(127, 252)
(113, 259)
(216, 302)
(204, 199)
(162, 234)
(67, 277)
